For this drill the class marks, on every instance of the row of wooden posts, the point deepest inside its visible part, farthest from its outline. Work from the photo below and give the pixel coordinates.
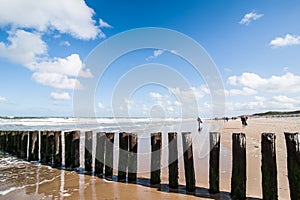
(16, 143)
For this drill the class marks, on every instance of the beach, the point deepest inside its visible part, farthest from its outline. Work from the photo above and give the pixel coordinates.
(25, 180)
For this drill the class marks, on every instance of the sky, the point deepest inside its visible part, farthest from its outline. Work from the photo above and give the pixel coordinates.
(254, 45)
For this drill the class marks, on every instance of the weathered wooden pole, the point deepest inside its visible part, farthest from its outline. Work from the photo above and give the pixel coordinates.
(33, 145)
(1, 141)
(293, 163)
(156, 143)
(188, 162)
(100, 149)
(173, 160)
(75, 149)
(19, 143)
(123, 156)
(132, 158)
(24, 140)
(238, 178)
(269, 166)
(5, 146)
(50, 150)
(68, 149)
(214, 157)
(58, 149)
(88, 151)
(14, 143)
(44, 144)
(9, 142)
(72, 149)
(109, 155)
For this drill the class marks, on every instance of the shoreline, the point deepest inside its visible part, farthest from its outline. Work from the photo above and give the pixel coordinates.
(67, 184)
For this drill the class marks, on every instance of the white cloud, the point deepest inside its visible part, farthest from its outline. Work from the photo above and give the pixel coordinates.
(100, 105)
(189, 94)
(70, 66)
(72, 17)
(288, 40)
(159, 52)
(104, 24)
(2, 99)
(60, 95)
(56, 80)
(260, 104)
(287, 83)
(65, 43)
(249, 17)
(23, 47)
(157, 96)
(245, 91)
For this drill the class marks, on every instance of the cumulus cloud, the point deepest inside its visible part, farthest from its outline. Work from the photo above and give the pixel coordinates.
(2, 99)
(190, 94)
(159, 52)
(65, 43)
(244, 91)
(249, 17)
(104, 24)
(288, 40)
(100, 105)
(157, 96)
(72, 17)
(56, 80)
(60, 95)
(287, 83)
(71, 66)
(280, 102)
(23, 47)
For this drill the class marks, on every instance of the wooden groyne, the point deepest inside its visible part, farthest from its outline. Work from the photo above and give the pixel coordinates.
(47, 148)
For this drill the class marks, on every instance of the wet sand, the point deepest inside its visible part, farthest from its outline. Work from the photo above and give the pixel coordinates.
(33, 181)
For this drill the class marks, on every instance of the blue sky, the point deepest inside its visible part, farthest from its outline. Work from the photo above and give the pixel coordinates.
(254, 44)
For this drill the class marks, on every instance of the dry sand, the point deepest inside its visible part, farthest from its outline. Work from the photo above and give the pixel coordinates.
(70, 185)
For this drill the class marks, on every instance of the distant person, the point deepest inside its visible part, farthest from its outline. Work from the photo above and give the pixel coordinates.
(244, 120)
(199, 123)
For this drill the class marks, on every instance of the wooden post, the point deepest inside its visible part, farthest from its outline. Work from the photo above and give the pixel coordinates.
(293, 163)
(50, 151)
(132, 158)
(75, 149)
(238, 178)
(173, 160)
(33, 145)
(68, 149)
(44, 144)
(88, 151)
(19, 144)
(72, 149)
(214, 157)
(1, 140)
(14, 142)
(109, 155)
(5, 141)
(99, 162)
(269, 166)
(9, 142)
(58, 149)
(188, 162)
(24, 140)
(155, 158)
(123, 156)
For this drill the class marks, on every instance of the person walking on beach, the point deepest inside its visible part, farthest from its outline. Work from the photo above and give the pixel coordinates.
(244, 120)
(199, 123)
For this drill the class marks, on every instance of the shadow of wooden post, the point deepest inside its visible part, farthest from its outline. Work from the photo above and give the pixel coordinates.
(188, 162)
(100, 149)
(109, 155)
(269, 166)
(132, 158)
(214, 162)
(238, 177)
(123, 156)
(173, 161)
(156, 143)
(293, 163)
